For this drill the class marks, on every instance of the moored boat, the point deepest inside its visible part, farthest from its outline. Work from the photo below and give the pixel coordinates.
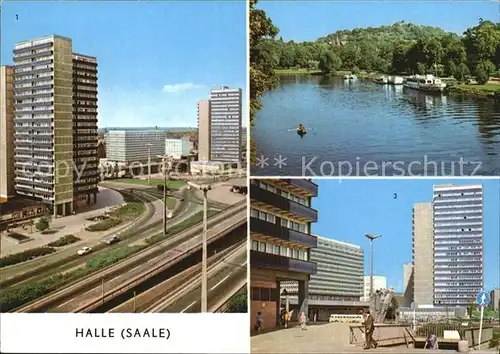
(381, 80)
(346, 77)
(428, 83)
(396, 80)
(352, 77)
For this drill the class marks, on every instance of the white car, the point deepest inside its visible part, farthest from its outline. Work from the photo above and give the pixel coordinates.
(84, 250)
(170, 215)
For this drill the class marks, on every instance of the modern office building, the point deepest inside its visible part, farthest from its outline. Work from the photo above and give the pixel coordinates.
(51, 109)
(423, 254)
(134, 146)
(177, 147)
(85, 140)
(204, 131)
(338, 283)
(7, 190)
(281, 241)
(379, 282)
(458, 243)
(225, 123)
(495, 299)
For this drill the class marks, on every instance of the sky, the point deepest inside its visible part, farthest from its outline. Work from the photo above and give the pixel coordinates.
(309, 20)
(347, 209)
(155, 59)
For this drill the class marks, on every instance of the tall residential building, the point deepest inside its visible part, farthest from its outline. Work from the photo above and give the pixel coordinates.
(379, 282)
(134, 146)
(85, 175)
(204, 131)
(280, 227)
(458, 243)
(226, 131)
(6, 133)
(408, 283)
(43, 93)
(423, 254)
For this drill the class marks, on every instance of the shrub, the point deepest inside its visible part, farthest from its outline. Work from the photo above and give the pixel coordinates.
(42, 224)
(25, 256)
(103, 225)
(482, 76)
(63, 241)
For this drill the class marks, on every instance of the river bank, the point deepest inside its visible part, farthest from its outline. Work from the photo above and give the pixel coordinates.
(487, 90)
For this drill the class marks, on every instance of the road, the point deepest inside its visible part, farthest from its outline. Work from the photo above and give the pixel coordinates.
(166, 288)
(149, 223)
(90, 288)
(222, 275)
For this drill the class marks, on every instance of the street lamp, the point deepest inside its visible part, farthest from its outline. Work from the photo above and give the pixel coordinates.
(371, 238)
(167, 165)
(149, 162)
(204, 188)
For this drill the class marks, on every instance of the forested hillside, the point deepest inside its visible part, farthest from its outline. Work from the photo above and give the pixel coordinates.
(399, 48)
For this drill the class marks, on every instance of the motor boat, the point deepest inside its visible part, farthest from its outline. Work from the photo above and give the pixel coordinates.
(428, 83)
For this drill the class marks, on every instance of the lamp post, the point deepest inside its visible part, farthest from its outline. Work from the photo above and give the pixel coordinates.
(167, 165)
(371, 238)
(149, 163)
(204, 188)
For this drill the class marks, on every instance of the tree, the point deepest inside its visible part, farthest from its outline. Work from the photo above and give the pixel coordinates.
(461, 73)
(451, 68)
(238, 303)
(43, 224)
(482, 42)
(262, 76)
(355, 70)
(287, 58)
(329, 63)
(421, 69)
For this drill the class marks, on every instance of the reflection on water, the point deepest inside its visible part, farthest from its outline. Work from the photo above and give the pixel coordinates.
(360, 121)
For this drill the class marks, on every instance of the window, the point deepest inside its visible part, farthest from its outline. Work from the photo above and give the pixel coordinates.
(276, 249)
(283, 251)
(271, 218)
(255, 245)
(269, 248)
(262, 247)
(262, 215)
(254, 213)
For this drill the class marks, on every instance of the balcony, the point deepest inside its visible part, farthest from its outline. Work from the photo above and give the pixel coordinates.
(283, 233)
(273, 261)
(34, 63)
(281, 205)
(33, 47)
(301, 186)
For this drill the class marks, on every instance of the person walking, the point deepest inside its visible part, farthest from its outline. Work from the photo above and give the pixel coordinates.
(303, 320)
(258, 323)
(287, 318)
(369, 329)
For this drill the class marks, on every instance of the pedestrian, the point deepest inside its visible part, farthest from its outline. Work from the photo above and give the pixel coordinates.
(369, 329)
(287, 318)
(432, 342)
(303, 320)
(258, 323)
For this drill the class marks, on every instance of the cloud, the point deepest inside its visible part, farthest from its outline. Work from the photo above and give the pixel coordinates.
(185, 86)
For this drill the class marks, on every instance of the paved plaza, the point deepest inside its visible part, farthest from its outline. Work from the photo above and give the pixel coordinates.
(324, 338)
(72, 224)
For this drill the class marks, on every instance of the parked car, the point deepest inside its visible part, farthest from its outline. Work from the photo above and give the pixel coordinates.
(84, 250)
(170, 215)
(111, 240)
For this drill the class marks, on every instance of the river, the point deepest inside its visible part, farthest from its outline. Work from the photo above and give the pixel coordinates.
(360, 128)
